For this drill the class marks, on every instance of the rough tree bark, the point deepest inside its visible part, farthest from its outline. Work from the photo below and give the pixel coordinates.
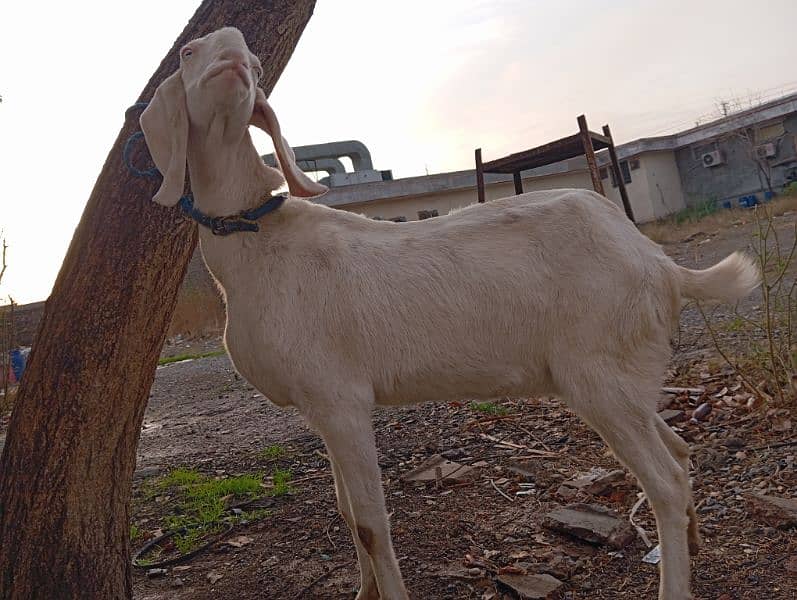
(70, 453)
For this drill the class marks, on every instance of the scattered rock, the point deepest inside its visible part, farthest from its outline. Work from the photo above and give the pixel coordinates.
(525, 471)
(532, 586)
(153, 573)
(772, 510)
(146, 472)
(436, 467)
(213, 577)
(734, 442)
(177, 582)
(592, 523)
(240, 541)
(702, 411)
(597, 482)
(653, 557)
(791, 565)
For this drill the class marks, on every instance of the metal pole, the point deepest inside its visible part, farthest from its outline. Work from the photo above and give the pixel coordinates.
(479, 176)
(618, 176)
(518, 182)
(589, 152)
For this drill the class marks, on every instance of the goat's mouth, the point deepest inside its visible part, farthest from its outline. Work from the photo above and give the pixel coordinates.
(237, 69)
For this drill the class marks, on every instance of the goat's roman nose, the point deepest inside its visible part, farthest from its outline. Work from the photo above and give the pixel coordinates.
(234, 55)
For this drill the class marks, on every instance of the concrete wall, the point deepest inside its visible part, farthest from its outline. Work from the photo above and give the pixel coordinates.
(655, 187)
(447, 200)
(664, 192)
(739, 176)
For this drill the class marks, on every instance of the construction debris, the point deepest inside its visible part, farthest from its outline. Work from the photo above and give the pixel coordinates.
(597, 483)
(532, 586)
(592, 523)
(772, 510)
(437, 468)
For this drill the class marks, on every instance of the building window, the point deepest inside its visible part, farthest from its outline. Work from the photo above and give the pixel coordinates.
(768, 133)
(633, 164)
(625, 170)
(604, 173)
(427, 214)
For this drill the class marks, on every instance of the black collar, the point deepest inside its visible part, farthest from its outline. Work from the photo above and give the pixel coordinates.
(243, 221)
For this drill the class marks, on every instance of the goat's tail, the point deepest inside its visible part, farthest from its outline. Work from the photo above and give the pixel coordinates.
(729, 280)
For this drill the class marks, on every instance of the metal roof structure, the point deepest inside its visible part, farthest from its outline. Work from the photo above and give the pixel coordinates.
(585, 142)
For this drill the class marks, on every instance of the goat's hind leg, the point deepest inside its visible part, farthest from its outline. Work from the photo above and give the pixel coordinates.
(626, 420)
(368, 587)
(679, 449)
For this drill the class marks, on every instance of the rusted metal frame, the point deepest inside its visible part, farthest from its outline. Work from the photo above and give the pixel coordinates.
(479, 175)
(518, 182)
(589, 152)
(618, 175)
(552, 152)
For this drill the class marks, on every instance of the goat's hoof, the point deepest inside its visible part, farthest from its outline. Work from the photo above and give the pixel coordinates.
(369, 594)
(695, 543)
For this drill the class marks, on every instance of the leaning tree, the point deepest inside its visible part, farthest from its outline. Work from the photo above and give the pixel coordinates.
(66, 470)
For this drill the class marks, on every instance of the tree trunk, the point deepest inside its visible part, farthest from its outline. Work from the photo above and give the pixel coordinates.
(70, 453)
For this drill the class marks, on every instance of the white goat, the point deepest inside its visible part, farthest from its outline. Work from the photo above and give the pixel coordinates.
(550, 292)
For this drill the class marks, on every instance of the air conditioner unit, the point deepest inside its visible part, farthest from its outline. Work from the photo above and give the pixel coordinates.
(712, 159)
(766, 150)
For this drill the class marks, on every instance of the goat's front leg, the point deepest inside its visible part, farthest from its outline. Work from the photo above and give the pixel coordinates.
(349, 437)
(368, 587)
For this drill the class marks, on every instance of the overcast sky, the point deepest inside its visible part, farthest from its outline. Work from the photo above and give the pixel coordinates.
(421, 83)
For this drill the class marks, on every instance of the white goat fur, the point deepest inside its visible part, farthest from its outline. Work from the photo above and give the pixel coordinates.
(551, 292)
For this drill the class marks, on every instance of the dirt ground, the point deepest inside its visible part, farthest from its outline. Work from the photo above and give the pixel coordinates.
(454, 540)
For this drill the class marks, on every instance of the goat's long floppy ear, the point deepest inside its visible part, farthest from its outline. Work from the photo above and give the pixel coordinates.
(299, 184)
(165, 126)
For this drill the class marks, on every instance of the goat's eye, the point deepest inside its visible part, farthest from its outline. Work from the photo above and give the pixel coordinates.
(187, 53)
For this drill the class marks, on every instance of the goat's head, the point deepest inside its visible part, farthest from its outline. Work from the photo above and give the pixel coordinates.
(216, 83)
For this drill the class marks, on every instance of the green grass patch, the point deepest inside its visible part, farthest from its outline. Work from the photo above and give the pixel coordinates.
(202, 504)
(489, 408)
(696, 212)
(173, 359)
(272, 452)
(282, 482)
(180, 477)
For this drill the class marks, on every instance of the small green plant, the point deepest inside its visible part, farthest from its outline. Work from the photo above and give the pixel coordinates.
(282, 479)
(180, 477)
(696, 212)
(272, 452)
(767, 367)
(489, 408)
(203, 502)
(135, 533)
(180, 357)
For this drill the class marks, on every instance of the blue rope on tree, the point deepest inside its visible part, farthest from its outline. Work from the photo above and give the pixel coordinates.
(152, 173)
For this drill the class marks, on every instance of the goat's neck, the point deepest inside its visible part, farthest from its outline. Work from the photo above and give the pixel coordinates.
(227, 175)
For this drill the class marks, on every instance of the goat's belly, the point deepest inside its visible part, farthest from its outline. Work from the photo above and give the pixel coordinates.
(472, 384)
